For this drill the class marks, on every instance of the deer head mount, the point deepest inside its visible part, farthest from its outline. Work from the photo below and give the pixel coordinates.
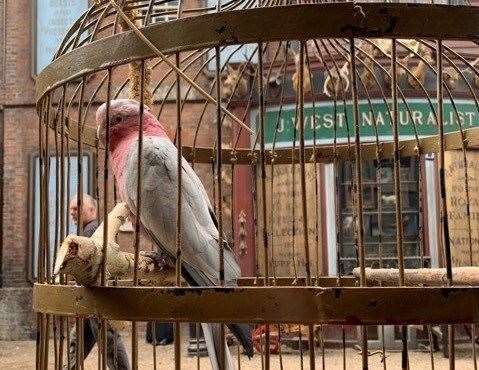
(234, 80)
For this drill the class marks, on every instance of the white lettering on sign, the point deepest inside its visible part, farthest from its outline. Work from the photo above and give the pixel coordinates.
(325, 121)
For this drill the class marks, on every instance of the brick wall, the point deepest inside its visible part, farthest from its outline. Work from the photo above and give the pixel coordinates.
(20, 126)
(19, 131)
(19, 84)
(17, 320)
(20, 142)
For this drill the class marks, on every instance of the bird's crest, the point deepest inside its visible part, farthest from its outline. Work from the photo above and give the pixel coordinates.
(120, 109)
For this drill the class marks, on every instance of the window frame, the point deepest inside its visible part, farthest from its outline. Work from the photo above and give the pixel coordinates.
(31, 259)
(158, 8)
(421, 207)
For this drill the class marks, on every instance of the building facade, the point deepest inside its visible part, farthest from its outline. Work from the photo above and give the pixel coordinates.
(20, 59)
(19, 126)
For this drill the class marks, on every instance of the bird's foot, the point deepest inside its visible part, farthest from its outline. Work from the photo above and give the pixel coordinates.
(155, 261)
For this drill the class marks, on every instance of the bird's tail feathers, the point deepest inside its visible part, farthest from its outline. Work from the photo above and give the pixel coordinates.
(243, 333)
(212, 335)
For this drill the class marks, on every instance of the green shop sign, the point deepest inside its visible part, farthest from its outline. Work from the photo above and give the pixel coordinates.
(416, 115)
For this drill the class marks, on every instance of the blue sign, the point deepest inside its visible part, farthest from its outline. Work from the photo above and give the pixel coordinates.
(54, 19)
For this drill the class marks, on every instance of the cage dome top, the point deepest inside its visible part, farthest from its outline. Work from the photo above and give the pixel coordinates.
(96, 40)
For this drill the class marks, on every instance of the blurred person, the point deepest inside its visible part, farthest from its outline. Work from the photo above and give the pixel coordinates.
(117, 357)
(159, 333)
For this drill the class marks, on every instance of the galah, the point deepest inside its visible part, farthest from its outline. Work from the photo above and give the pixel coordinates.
(159, 181)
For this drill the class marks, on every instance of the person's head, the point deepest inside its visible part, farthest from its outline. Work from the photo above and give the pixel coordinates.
(89, 209)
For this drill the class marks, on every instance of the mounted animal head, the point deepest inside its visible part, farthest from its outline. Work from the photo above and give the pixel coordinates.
(419, 72)
(336, 83)
(451, 77)
(234, 80)
(306, 73)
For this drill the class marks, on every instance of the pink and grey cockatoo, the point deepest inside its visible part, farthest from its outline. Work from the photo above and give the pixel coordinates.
(159, 173)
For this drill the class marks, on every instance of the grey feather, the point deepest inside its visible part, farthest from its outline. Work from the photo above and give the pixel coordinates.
(199, 234)
(210, 331)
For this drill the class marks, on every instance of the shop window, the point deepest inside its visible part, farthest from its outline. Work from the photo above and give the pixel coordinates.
(161, 12)
(232, 53)
(379, 215)
(54, 202)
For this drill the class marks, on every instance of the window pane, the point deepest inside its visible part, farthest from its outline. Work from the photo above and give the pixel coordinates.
(380, 232)
(70, 227)
(164, 12)
(52, 23)
(230, 54)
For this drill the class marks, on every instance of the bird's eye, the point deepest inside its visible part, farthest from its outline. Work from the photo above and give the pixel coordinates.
(115, 120)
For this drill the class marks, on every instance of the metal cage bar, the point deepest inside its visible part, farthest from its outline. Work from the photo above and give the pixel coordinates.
(248, 102)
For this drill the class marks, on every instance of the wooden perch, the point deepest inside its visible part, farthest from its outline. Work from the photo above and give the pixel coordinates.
(81, 257)
(427, 277)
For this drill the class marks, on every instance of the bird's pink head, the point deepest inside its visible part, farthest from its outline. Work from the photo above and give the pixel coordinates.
(124, 121)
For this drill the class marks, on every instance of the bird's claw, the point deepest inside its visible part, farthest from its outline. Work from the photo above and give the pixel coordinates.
(155, 260)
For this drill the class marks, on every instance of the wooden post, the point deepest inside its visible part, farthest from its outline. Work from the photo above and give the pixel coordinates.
(423, 276)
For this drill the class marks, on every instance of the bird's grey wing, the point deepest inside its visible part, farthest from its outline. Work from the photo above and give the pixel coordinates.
(199, 185)
(200, 254)
(196, 180)
(158, 208)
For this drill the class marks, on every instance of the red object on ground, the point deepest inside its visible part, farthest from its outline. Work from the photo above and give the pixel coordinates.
(259, 335)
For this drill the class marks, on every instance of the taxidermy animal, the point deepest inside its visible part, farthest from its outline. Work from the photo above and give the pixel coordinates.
(337, 81)
(421, 69)
(234, 80)
(306, 75)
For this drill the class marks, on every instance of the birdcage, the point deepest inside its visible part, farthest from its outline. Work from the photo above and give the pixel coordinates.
(336, 143)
